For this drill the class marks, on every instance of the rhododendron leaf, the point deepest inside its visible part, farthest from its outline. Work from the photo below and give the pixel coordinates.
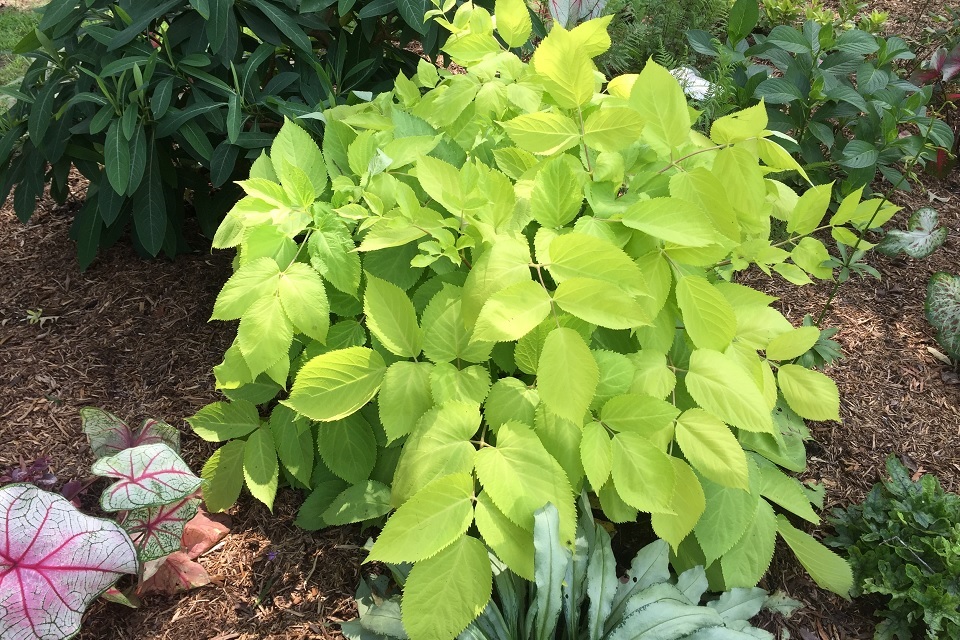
(149, 476)
(54, 561)
(157, 531)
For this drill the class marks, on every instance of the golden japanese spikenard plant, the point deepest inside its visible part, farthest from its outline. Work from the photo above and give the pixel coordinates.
(493, 289)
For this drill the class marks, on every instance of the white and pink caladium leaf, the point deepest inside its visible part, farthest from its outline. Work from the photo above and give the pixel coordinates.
(54, 561)
(149, 476)
(173, 574)
(109, 435)
(158, 531)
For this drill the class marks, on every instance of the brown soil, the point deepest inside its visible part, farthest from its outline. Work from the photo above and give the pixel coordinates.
(132, 337)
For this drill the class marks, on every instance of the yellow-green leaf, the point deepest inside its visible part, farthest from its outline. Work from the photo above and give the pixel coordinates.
(567, 374)
(707, 316)
(810, 393)
(392, 318)
(687, 504)
(712, 449)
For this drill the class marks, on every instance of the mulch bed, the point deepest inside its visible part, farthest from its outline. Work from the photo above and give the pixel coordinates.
(132, 337)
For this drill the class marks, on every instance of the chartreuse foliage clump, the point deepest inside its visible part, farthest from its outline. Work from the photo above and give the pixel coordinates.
(581, 582)
(490, 290)
(904, 543)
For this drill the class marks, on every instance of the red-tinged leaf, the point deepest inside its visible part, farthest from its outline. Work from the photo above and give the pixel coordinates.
(204, 531)
(175, 573)
(149, 476)
(54, 561)
(109, 435)
(937, 60)
(156, 432)
(127, 599)
(158, 531)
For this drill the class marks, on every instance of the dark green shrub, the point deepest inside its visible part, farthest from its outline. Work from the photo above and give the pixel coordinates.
(838, 93)
(153, 102)
(904, 543)
(642, 29)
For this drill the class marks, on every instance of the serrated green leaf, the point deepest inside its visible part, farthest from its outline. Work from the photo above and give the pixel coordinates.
(828, 570)
(265, 334)
(253, 281)
(404, 397)
(673, 220)
(556, 197)
(433, 519)
(510, 399)
(644, 415)
(612, 129)
(747, 562)
(793, 343)
(331, 253)
(718, 384)
(601, 303)
(565, 69)
(687, 504)
(294, 442)
(363, 501)
(348, 447)
(304, 300)
(513, 22)
(576, 255)
(222, 476)
(810, 393)
(512, 544)
(567, 374)
(260, 469)
(658, 98)
(449, 384)
(520, 477)
(707, 316)
(310, 514)
(596, 454)
(219, 421)
(445, 593)
(810, 209)
(542, 133)
(336, 384)
(643, 474)
(727, 516)
(296, 147)
(512, 312)
(712, 449)
(392, 318)
(438, 446)
(785, 491)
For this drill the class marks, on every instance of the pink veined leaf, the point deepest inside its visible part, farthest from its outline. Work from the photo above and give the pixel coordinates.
(951, 65)
(173, 574)
(921, 77)
(560, 11)
(54, 561)
(937, 59)
(149, 476)
(109, 435)
(203, 532)
(128, 599)
(158, 531)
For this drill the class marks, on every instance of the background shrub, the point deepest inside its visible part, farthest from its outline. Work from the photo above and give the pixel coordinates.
(642, 29)
(155, 103)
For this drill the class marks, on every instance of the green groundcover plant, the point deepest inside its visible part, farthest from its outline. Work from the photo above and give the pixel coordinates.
(578, 595)
(492, 289)
(904, 543)
(159, 104)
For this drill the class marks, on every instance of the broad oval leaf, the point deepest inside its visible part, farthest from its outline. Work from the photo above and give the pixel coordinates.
(687, 504)
(392, 318)
(219, 421)
(108, 434)
(707, 316)
(810, 393)
(719, 385)
(942, 309)
(158, 531)
(54, 561)
(445, 593)
(642, 473)
(512, 313)
(336, 384)
(433, 519)
(149, 476)
(712, 449)
(828, 570)
(567, 374)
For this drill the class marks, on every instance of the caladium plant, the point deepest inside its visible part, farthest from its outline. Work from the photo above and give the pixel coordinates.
(943, 311)
(108, 434)
(54, 561)
(148, 476)
(921, 238)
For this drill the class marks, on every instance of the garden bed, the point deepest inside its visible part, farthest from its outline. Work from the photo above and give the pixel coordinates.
(132, 337)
